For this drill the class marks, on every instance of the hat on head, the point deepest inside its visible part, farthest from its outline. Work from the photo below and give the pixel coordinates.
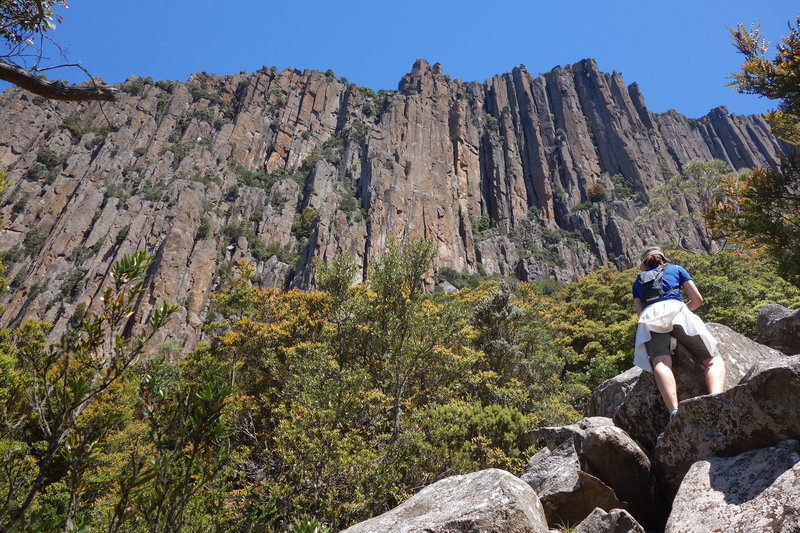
(651, 251)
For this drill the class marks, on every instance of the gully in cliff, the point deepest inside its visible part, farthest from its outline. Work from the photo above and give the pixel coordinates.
(664, 318)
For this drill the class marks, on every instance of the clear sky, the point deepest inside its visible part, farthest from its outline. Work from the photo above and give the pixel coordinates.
(679, 52)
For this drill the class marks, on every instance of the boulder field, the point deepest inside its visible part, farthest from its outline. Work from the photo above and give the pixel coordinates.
(726, 462)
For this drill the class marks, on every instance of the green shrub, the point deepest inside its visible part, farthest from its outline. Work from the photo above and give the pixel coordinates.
(47, 167)
(117, 190)
(20, 204)
(368, 108)
(301, 228)
(77, 315)
(121, 234)
(161, 105)
(72, 285)
(232, 232)
(623, 188)
(204, 228)
(152, 193)
(258, 214)
(34, 240)
(78, 128)
(205, 115)
(35, 290)
(133, 87)
(491, 123)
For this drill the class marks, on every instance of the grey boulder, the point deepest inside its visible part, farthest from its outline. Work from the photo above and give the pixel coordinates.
(609, 396)
(756, 491)
(614, 521)
(779, 328)
(759, 412)
(607, 453)
(489, 501)
(567, 493)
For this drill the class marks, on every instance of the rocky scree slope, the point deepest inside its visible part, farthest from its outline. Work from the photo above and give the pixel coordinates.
(281, 168)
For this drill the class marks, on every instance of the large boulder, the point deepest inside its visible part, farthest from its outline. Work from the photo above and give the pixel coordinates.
(758, 490)
(567, 493)
(779, 328)
(759, 412)
(643, 415)
(489, 501)
(740, 353)
(614, 521)
(606, 452)
(608, 397)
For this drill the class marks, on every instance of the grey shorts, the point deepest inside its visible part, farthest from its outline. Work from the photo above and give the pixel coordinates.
(659, 344)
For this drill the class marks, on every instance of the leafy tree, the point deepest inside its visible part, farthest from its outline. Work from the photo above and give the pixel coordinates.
(776, 79)
(186, 448)
(47, 390)
(761, 209)
(681, 202)
(596, 321)
(495, 318)
(408, 341)
(24, 27)
(735, 286)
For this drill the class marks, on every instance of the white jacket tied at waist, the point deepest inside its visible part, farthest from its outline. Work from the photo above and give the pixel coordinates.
(660, 317)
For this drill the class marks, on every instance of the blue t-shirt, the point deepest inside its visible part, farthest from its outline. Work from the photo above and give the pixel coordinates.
(674, 277)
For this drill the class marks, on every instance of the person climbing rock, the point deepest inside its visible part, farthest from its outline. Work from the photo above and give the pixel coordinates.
(665, 318)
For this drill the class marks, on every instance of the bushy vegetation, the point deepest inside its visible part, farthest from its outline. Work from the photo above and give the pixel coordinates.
(315, 408)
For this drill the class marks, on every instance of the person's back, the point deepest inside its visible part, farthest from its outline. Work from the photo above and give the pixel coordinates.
(662, 282)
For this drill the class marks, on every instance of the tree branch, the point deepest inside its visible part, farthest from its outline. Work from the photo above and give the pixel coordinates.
(56, 90)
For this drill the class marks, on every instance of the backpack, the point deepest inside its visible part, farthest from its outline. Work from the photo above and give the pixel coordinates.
(650, 283)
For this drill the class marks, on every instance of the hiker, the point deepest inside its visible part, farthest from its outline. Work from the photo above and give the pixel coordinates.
(665, 318)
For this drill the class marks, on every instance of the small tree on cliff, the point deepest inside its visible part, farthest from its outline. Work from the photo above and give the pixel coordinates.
(24, 27)
(673, 203)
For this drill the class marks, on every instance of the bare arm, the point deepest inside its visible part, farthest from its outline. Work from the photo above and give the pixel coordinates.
(695, 298)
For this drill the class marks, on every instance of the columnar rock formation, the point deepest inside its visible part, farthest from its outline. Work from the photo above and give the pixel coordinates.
(284, 168)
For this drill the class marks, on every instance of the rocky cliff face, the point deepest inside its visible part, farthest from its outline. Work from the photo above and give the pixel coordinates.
(284, 168)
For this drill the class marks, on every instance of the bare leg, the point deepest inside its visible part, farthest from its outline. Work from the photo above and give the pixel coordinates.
(715, 374)
(665, 379)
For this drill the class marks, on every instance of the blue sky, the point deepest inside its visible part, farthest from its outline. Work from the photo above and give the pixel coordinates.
(679, 52)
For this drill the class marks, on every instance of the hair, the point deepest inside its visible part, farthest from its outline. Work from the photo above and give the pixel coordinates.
(654, 260)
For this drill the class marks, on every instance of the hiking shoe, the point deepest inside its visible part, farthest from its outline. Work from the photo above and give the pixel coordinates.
(672, 414)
